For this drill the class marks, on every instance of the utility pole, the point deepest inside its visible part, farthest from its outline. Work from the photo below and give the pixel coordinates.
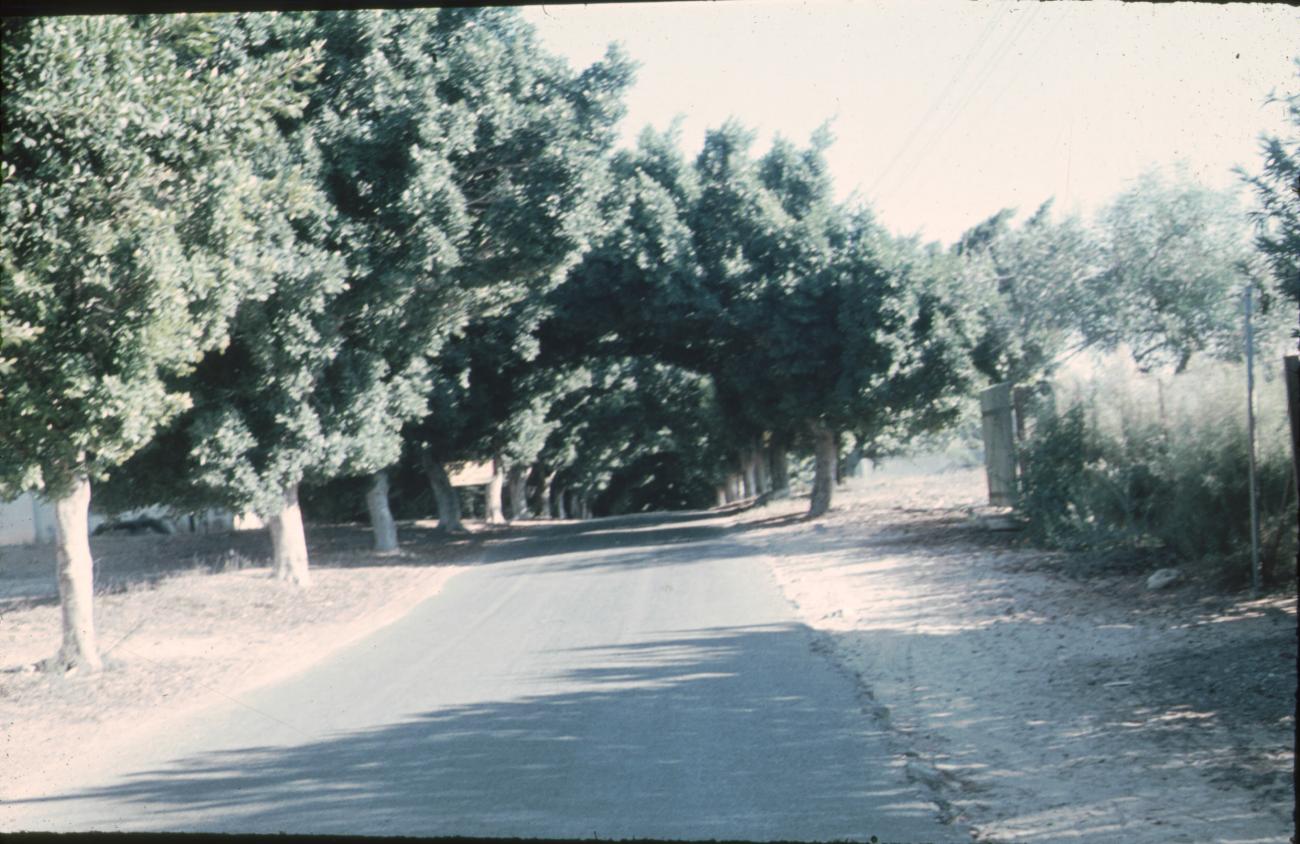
(1250, 433)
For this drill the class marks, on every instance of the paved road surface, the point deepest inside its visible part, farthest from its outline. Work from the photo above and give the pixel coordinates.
(638, 677)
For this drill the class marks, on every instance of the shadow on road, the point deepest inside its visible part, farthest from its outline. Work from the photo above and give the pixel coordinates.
(628, 745)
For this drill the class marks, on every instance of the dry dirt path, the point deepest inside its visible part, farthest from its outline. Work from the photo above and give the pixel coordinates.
(1037, 707)
(640, 677)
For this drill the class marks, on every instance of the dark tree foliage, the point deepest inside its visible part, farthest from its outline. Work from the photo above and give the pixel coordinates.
(1277, 189)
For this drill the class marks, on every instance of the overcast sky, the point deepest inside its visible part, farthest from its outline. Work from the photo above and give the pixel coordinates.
(946, 111)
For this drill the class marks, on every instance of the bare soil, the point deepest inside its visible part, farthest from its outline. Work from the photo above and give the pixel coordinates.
(1046, 696)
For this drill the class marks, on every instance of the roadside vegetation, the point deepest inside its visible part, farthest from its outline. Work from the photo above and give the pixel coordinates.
(254, 261)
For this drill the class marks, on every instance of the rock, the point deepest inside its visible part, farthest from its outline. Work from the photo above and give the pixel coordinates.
(1164, 577)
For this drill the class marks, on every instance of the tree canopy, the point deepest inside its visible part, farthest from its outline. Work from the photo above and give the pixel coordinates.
(248, 252)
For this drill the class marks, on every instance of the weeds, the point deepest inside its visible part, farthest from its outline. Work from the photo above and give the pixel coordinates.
(1141, 461)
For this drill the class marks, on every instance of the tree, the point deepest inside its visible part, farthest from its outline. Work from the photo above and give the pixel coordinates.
(848, 331)
(489, 402)
(1277, 189)
(135, 224)
(1172, 264)
(639, 290)
(259, 422)
(535, 181)
(413, 117)
(745, 271)
(634, 434)
(1026, 287)
(388, 142)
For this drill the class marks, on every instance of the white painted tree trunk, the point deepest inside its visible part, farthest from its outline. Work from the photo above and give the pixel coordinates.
(764, 466)
(548, 495)
(289, 542)
(751, 473)
(561, 512)
(826, 457)
(722, 495)
(76, 574)
(517, 478)
(381, 517)
(494, 514)
(445, 497)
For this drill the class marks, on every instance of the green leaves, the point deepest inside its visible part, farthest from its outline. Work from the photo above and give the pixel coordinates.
(1277, 190)
(133, 225)
(1027, 287)
(1173, 259)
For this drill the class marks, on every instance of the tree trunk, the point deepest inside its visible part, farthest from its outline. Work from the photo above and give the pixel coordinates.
(824, 469)
(561, 512)
(764, 465)
(76, 574)
(780, 472)
(445, 497)
(853, 463)
(381, 518)
(494, 514)
(548, 495)
(747, 462)
(722, 495)
(517, 478)
(289, 541)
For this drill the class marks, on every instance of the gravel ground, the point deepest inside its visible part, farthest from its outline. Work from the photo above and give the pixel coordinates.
(1039, 697)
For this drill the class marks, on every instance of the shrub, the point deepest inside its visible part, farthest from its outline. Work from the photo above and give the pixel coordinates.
(1138, 460)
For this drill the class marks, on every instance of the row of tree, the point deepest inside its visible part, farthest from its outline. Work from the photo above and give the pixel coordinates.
(236, 245)
(246, 253)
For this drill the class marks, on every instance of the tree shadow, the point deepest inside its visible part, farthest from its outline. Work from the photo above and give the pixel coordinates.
(697, 734)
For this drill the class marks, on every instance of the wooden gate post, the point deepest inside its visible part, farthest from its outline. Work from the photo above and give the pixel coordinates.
(999, 444)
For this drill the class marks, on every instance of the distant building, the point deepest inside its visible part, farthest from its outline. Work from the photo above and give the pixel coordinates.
(472, 473)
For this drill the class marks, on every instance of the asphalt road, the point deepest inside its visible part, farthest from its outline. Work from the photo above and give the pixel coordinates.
(639, 677)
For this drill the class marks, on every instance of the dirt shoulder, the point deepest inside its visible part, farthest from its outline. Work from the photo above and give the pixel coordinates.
(185, 622)
(1038, 702)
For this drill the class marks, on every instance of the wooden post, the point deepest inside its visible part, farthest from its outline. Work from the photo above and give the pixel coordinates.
(1291, 370)
(999, 444)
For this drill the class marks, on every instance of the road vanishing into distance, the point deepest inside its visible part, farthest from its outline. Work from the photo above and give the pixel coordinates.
(632, 677)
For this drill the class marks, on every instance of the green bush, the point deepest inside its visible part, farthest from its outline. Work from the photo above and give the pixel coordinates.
(1138, 460)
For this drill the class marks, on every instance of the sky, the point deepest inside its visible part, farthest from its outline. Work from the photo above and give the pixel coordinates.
(945, 112)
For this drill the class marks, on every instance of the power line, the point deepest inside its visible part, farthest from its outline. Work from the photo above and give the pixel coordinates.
(934, 105)
(987, 73)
